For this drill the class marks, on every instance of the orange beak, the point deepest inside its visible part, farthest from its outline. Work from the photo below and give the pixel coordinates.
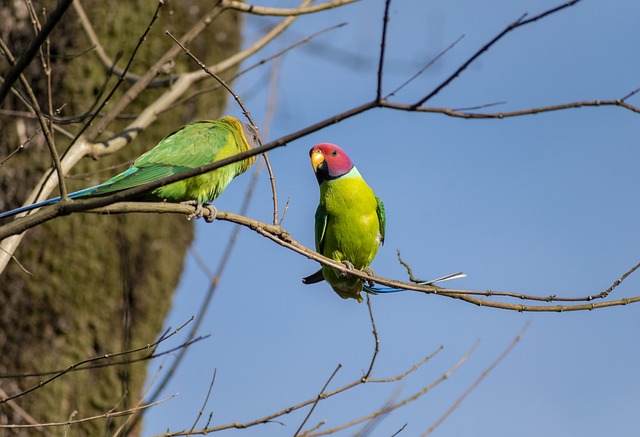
(317, 158)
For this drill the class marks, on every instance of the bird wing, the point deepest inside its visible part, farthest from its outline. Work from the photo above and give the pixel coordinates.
(191, 146)
(382, 219)
(320, 227)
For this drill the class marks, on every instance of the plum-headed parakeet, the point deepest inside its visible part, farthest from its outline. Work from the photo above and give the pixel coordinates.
(349, 222)
(191, 146)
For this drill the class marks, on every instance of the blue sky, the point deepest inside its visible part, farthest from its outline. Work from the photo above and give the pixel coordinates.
(542, 204)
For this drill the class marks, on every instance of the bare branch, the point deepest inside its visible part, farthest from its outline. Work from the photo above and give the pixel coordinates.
(270, 418)
(320, 396)
(91, 363)
(506, 114)
(14, 73)
(108, 415)
(376, 340)
(395, 405)
(206, 400)
(472, 387)
(383, 45)
(284, 12)
(516, 24)
(45, 127)
(246, 113)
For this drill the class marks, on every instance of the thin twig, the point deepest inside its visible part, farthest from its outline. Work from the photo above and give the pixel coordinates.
(43, 123)
(284, 12)
(383, 46)
(109, 415)
(472, 387)
(320, 397)
(396, 405)
(206, 401)
(215, 278)
(270, 418)
(27, 56)
(423, 69)
(246, 113)
(376, 340)
(516, 24)
(261, 62)
(85, 362)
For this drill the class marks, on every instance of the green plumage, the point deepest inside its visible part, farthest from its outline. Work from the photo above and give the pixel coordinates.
(349, 226)
(191, 146)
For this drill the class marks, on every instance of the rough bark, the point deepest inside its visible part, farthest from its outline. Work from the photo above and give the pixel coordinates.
(99, 284)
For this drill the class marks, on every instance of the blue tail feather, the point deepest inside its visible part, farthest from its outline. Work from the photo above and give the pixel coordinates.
(375, 289)
(25, 208)
(29, 207)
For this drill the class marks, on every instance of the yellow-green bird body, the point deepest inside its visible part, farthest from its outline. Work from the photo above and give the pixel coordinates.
(349, 221)
(193, 145)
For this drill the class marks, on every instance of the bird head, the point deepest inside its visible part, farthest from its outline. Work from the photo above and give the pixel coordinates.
(329, 161)
(251, 134)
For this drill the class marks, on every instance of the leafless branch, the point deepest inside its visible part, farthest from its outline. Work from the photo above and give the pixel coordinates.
(108, 415)
(271, 418)
(204, 404)
(320, 397)
(95, 362)
(83, 145)
(16, 70)
(472, 387)
(185, 80)
(246, 113)
(214, 278)
(396, 405)
(23, 414)
(44, 126)
(516, 24)
(383, 45)
(284, 12)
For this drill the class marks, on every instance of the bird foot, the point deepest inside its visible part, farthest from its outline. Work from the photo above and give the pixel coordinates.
(369, 271)
(213, 212)
(349, 266)
(199, 212)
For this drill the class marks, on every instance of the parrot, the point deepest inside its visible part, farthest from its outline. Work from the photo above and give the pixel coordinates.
(191, 146)
(350, 220)
(350, 224)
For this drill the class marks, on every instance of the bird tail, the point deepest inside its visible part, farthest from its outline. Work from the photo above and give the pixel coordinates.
(29, 207)
(26, 208)
(375, 289)
(313, 278)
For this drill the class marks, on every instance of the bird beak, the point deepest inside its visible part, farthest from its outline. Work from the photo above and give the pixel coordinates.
(317, 158)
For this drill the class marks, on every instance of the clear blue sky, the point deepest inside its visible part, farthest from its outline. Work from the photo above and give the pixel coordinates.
(543, 204)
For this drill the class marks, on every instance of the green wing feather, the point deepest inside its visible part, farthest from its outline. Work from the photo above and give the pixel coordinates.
(320, 227)
(191, 146)
(382, 219)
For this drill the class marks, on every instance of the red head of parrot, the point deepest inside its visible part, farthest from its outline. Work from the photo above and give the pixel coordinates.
(329, 161)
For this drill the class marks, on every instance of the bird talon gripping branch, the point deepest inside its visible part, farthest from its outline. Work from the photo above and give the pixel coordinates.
(213, 212)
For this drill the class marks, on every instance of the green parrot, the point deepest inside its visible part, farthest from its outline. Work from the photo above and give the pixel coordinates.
(191, 146)
(349, 222)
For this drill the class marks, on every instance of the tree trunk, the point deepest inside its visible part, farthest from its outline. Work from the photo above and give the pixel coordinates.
(97, 284)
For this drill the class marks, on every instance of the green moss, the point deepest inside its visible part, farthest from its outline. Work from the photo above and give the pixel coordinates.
(100, 284)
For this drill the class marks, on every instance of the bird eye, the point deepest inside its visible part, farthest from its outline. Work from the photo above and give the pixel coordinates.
(334, 152)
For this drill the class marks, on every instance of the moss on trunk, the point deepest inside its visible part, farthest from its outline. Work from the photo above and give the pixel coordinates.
(100, 284)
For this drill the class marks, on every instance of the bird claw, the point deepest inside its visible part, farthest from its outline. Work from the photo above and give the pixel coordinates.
(349, 266)
(213, 212)
(199, 212)
(369, 271)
